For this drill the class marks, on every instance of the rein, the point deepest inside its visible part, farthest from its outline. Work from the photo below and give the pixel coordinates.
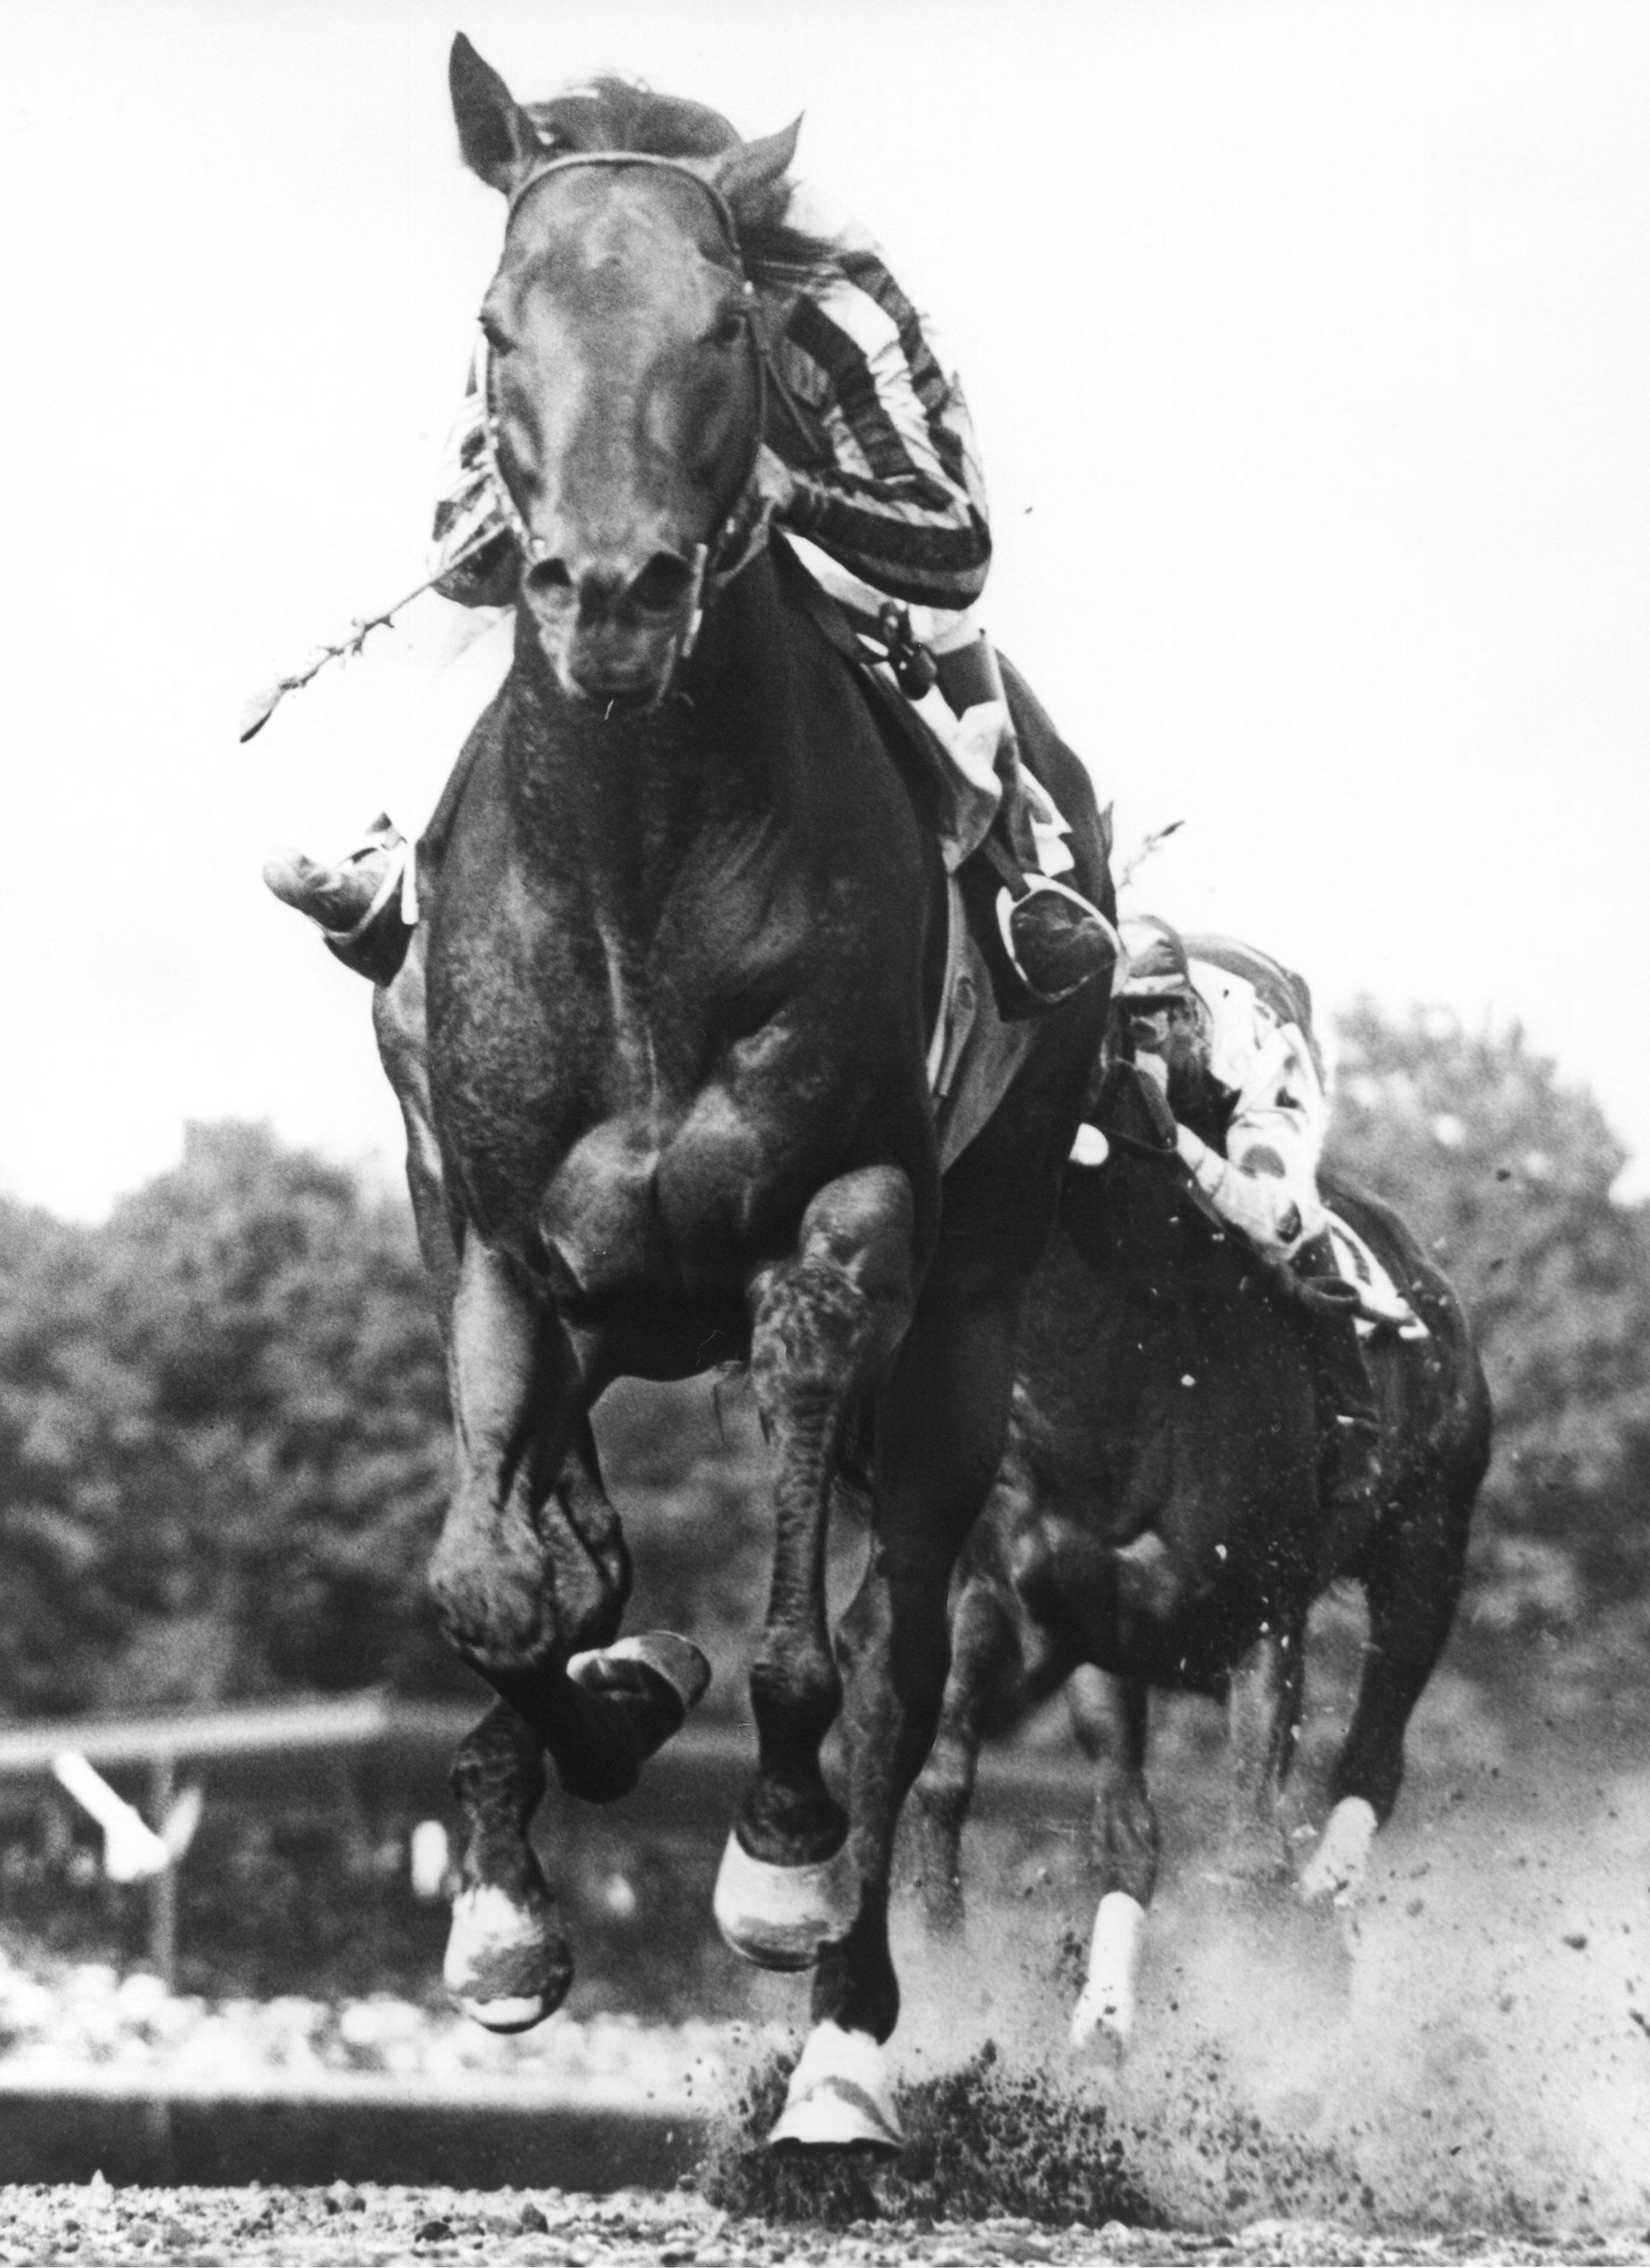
(734, 542)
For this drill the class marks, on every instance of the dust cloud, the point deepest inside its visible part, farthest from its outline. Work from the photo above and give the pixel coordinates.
(1472, 2052)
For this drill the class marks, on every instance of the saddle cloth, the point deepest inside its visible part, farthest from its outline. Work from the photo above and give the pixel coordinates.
(975, 1052)
(1382, 1306)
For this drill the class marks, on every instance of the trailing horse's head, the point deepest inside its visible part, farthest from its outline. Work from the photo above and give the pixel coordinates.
(624, 372)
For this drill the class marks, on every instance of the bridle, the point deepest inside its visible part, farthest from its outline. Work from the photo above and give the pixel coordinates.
(735, 540)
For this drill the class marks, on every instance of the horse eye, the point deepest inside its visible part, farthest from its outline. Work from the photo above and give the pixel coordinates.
(728, 328)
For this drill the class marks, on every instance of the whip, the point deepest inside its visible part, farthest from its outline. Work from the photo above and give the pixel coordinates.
(262, 706)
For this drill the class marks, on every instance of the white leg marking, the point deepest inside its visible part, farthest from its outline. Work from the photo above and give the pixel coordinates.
(1108, 2000)
(779, 1916)
(502, 1961)
(1335, 1868)
(840, 2095)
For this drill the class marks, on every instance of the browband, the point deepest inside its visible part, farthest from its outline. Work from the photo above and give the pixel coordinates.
(724, 210)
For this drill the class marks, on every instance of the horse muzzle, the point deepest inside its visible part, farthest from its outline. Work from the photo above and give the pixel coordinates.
(614, 636)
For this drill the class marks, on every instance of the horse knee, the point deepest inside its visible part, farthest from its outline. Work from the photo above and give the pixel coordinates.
(1151, 1586)
(826, 1319)
(486, 1579)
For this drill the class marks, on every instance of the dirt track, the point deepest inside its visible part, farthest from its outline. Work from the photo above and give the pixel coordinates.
(1472, 2083)
(549, 2230)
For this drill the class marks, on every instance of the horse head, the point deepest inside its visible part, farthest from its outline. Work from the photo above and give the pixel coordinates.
(624, 367)
(1135, 1209)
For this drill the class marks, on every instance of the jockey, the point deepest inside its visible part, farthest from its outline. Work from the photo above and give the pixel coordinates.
(1225, 1034)
(870, 458)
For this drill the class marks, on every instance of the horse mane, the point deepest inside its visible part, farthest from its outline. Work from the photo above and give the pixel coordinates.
(619, 113)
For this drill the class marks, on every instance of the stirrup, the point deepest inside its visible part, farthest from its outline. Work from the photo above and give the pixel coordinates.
(1096, 941)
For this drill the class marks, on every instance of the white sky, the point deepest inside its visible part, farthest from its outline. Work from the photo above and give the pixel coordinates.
(1309, 346)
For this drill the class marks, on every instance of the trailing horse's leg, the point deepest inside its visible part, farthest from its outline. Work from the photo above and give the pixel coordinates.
(824, 1325)
(940, 1427)
(1413, 1581)
(987, 1682)
(1262, 1720)
(1110, 1716)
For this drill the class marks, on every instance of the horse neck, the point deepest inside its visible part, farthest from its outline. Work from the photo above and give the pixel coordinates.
(616, 806)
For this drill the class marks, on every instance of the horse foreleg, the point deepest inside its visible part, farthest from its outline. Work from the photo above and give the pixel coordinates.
(986, 1681)
(530, 1577)
(824, 1325)
(940, 1429)
(1262, 1721)
(1413, 1582)
(1110, 1716)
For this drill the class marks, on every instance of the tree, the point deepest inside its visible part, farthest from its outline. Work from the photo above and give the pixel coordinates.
(1505, 1173)
(222, 1438)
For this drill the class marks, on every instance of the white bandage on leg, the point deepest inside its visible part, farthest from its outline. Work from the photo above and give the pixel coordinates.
(1337, 1867)
(1106, 2008)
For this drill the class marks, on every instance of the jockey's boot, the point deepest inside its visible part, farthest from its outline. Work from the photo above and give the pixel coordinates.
(1055, 939)
(357, 904)
(1353, 1474)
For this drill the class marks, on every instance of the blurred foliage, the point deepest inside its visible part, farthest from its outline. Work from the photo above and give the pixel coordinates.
(224, 1444)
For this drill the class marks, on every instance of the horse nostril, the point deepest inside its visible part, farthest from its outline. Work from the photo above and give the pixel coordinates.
(546, 576)
(662, 584)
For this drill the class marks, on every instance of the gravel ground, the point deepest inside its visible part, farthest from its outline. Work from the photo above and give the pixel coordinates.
(550, 2229)
(1489, 2076)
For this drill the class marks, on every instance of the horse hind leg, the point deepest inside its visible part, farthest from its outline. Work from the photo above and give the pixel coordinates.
(1413, 1582)
(1110, 1716)
(824, 1324)
(1262, 1722)
(987, 1685)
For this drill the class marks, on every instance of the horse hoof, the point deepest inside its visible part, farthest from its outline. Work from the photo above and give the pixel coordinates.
(676, 1660)
(781, 1917)
(839, 2097)
(1335, 1869)
(507, 1965)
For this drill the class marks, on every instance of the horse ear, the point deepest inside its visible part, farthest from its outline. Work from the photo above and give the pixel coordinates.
(751, 169)
(496, 136)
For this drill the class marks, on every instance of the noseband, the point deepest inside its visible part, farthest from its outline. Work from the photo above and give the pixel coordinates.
(732, 544)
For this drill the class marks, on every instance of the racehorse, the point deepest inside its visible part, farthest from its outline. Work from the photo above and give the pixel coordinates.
(1157, 1524)
(660, 1049)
